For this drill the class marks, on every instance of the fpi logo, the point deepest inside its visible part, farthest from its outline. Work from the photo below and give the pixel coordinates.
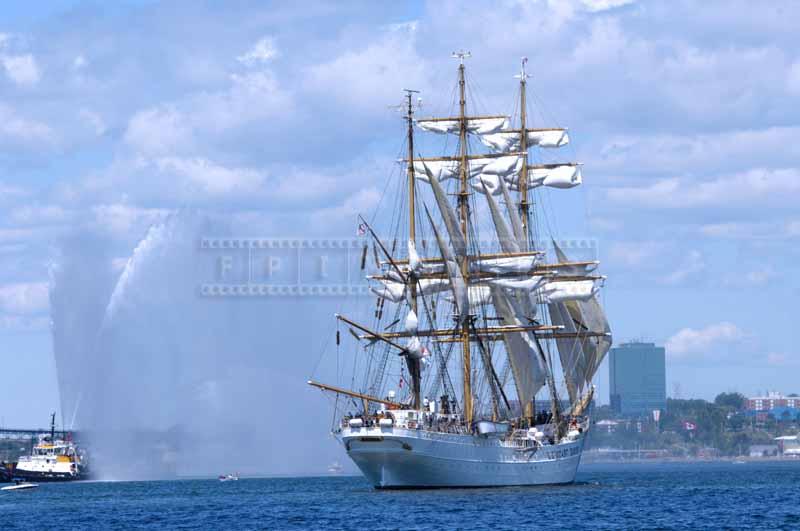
(257, 267)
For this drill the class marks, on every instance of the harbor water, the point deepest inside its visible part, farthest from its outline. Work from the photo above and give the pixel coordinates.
(620, 496)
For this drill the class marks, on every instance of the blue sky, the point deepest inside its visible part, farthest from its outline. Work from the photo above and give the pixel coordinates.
(684, 113)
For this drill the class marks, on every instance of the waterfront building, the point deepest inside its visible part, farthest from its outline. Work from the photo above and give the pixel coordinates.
(773, 400)
(789, 445)
(637, 377)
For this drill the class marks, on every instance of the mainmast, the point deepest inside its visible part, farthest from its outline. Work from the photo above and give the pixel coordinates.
(463, 206)
(413, 364)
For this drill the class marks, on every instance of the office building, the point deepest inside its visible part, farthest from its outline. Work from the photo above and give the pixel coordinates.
(637, 377)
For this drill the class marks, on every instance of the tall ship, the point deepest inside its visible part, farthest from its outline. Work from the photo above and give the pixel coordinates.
(53, 459)
(477, 367)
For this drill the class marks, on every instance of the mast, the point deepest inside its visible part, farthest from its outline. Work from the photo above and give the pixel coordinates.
(463, 206)
(555, 406)
(527, 409)
(523, 142)
(413, 364)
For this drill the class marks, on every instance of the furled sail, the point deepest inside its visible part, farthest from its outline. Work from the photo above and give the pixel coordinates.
(530, 284)
(479, 295)
(523, 353)
(479, 126)
(562, 291)
(506, 166)
(507, 141)
(561, 176)
(395, 291)
(511, 264)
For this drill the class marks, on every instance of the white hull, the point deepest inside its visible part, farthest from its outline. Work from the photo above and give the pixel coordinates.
(403, 458)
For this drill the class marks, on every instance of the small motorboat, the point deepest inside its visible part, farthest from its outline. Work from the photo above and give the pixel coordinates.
(229, 477)
(20, 485)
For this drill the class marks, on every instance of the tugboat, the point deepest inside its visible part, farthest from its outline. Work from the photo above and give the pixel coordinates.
(52, 460)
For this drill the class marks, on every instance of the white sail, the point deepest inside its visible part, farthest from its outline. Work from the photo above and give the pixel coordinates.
(570, 351)
(448, 215)
(507, 141)
(412, 321)
(414, 262)
(548, 138)
(575, 269)
(589, 316)
(508, 243)
(511, 264)
(395, 291)
(531, 284)
(392, 290)
(507, 166)
(513, 215)
(415, 349)
(479, 295)
(561, 291)
(523, 353)
(562, 176)
(479, 126)
(457, 283)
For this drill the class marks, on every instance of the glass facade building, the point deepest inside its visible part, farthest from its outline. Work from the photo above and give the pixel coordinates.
(637, 378)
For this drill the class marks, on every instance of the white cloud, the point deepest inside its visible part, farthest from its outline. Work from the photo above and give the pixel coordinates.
(262, 51)
(696, 154)
(692, 265)
(752, 230)
(38, 214)
(757, 187)
(604, 5)
(634, 254)
(158, 131)
(14, 128)
(211, 178)
(343, 216)
(763, 275)
(120, 219)
(22, 69)
(371, 75)
(24, 298)
(703, 341)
